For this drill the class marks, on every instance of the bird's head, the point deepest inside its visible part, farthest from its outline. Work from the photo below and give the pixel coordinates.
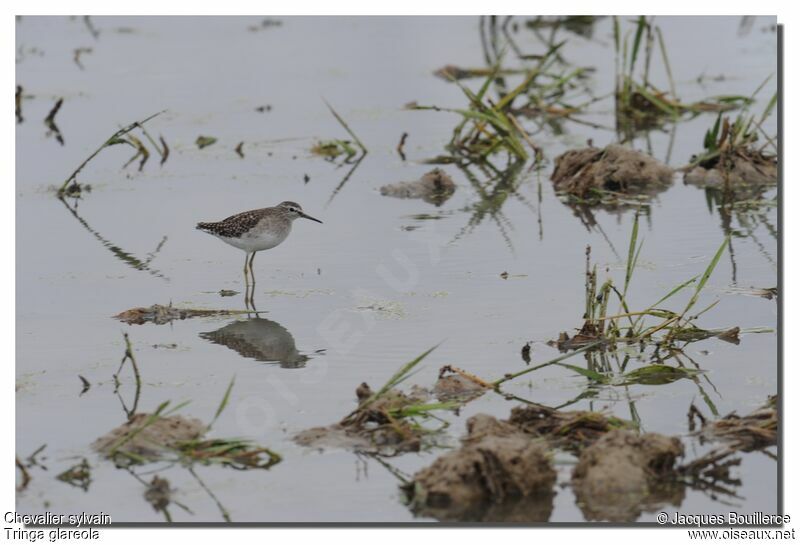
(294, 211)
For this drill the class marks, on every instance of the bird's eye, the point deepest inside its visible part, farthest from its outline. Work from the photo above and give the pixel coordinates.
(292, 209)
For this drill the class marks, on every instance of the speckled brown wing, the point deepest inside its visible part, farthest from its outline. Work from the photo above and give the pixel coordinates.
(234, 226)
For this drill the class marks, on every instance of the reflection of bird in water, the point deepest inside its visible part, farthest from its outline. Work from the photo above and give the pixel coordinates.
(259, 339)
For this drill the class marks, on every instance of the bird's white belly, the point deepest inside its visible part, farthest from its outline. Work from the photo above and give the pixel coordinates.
(256, 242)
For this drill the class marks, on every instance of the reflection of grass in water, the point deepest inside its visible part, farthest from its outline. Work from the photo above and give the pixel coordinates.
(126, 257)
(493, 192)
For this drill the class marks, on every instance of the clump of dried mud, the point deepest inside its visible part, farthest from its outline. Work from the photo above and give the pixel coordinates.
(745, 173)
(496, 466)
(754, 431)
(587, 172)
(624, 473)
(569, 430)
(385, 425)
(374, 427)
(435, 187)
(149, 440)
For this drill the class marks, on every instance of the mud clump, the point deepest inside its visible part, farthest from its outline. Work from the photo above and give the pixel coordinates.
(378, 425)
(455, 384)
(147, 438)
(569, 430)
(456, 387)
(745, 173)
(587, 173)
(147, 435)
(623, 473)
(757, 430)
(435, 187)
(496, 468)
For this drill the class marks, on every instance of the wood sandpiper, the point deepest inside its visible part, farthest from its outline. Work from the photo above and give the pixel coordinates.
(256, 230)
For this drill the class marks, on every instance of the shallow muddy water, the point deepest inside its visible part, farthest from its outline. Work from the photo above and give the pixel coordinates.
(382, 280)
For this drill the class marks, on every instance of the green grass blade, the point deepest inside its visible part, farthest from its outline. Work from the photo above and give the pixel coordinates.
(344, 124)
(588, 373)
(632, 254)
(637, 41)
(224, 402)
(706, 275)
(402, 374)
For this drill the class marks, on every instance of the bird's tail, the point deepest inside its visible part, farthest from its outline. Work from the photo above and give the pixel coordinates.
(204, 226)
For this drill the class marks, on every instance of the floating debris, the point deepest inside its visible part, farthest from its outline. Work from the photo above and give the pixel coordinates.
(401, 145)
(334, 148)
(263, 109)
(26, 476)
(50, 121)
(79, 475)
(164, 149)
(164, 314)
(204, 141)
(766, 293)
(228, 293)
(592, 174)
(87, 20)
(582, 25)
(265, 24)
(18, 104)
(238, 149)
(85, 385)
(526, 353)
(434, 187)
(80, 52)
(158, 493)
(451, 72)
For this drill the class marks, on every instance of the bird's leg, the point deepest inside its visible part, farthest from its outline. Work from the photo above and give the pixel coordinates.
(252, 272)
(246, 281)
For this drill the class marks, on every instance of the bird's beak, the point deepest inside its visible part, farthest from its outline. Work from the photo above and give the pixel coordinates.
(304, 215)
